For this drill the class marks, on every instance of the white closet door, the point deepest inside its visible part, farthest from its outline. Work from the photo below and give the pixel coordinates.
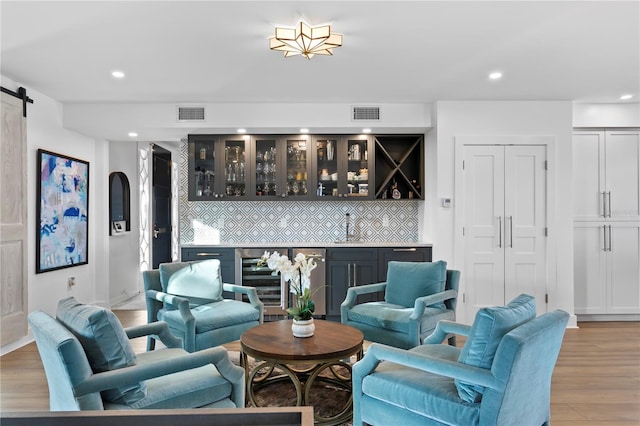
(622, 159)
(589, 267)
(588, 175)
(484, 227)
(623, 268)
(505, 220)
(525, 222)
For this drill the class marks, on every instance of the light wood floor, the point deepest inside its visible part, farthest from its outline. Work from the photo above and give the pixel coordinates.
(596, 381)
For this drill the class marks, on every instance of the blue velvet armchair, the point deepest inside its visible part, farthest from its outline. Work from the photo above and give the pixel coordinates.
(502, 376)
(90, 365)
(188, 296)
(417, 296)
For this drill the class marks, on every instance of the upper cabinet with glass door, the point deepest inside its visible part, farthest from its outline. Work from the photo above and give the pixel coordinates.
(202, 167)
(298, 167)
(343, 166)
(267, 166)
(217, 167)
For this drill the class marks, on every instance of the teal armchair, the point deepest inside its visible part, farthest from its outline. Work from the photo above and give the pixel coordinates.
(502, 376)
(417, 296)
(90, 365)
(188, 296)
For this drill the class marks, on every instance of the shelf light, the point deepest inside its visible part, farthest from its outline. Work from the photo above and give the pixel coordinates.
(304, 130)
(366, 130)
(242, 130)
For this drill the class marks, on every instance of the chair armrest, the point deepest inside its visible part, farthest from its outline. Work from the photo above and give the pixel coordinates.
(421, 303)
(130, 375)
(444, 328)
(456, 370)
(178, 302)
(158, 329)
(251, 292)
(352, 296)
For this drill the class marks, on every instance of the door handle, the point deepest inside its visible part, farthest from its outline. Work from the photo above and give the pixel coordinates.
(500, 231)
(604, 238)
(609, 206)
(348, 275)
(604, 204)
(511, 231)
(610, 238)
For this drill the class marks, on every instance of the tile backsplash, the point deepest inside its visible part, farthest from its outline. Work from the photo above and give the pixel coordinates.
(232, 222)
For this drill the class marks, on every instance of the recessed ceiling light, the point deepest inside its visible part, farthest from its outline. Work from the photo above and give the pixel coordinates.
(242, 130)
(366, 130)
(304, 130)
(495, 75)
(117, 74)
(625, 97)
(133, 135)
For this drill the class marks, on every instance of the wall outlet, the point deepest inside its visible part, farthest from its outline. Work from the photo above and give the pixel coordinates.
(71, 281)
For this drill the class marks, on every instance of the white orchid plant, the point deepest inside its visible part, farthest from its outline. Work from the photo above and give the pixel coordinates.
(297, 273)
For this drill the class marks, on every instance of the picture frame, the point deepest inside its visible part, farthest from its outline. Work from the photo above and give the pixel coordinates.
(62, 212)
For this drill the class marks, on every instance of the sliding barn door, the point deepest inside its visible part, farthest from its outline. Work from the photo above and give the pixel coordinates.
(13, 218)
(505, 223)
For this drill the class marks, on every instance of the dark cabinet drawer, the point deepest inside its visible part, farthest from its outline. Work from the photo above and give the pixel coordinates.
(402, 254)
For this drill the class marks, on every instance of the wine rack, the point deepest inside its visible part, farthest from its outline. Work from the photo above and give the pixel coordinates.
(399, 164)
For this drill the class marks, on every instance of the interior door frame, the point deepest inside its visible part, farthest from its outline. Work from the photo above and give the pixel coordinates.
(549, 141)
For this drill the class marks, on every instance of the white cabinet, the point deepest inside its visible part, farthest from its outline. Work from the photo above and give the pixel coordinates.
(606, 176)
(607, 267)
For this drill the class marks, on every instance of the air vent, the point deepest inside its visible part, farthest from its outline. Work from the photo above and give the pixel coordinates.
(190, 113)
(366, 113)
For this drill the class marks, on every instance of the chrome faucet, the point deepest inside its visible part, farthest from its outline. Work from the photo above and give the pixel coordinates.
(347, 221)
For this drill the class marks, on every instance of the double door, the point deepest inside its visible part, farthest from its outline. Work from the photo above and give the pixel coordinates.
(606, 176)
(505, 225)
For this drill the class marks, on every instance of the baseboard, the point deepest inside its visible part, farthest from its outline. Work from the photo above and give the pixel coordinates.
(17, 344)
(608, 317)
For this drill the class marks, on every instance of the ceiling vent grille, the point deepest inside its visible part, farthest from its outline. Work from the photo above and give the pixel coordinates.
(366, 113)
(190, 113)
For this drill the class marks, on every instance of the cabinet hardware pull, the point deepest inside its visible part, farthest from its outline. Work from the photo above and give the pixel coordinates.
(208, 254)
(511, 231)
(355, 277)
(604, 237)
(609, 203)
(405, 249)
(604, 204)
(500, 232)
(348, 275)
(610, 238)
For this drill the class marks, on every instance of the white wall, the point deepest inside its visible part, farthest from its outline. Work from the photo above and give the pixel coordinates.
(123, 248)
(44, 130)
(606, 115)
(456, 118)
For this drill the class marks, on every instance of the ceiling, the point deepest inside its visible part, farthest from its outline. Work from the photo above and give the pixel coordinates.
(393, 52)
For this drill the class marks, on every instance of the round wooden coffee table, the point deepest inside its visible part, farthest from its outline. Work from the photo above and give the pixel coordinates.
(302, 360)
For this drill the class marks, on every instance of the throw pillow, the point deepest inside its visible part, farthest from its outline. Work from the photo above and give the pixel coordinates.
(406, 281)
(200, 282)
(104, 342)
(489, 327)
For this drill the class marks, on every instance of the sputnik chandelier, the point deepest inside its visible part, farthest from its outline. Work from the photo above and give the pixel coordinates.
(305, 40)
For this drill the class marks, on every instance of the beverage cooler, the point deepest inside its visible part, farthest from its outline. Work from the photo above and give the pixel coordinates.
(272, 290)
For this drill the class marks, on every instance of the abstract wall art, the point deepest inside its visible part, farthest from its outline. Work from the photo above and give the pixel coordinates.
(62, 212)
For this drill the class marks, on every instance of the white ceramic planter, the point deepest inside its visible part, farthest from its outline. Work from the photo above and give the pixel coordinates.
(304, 328)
